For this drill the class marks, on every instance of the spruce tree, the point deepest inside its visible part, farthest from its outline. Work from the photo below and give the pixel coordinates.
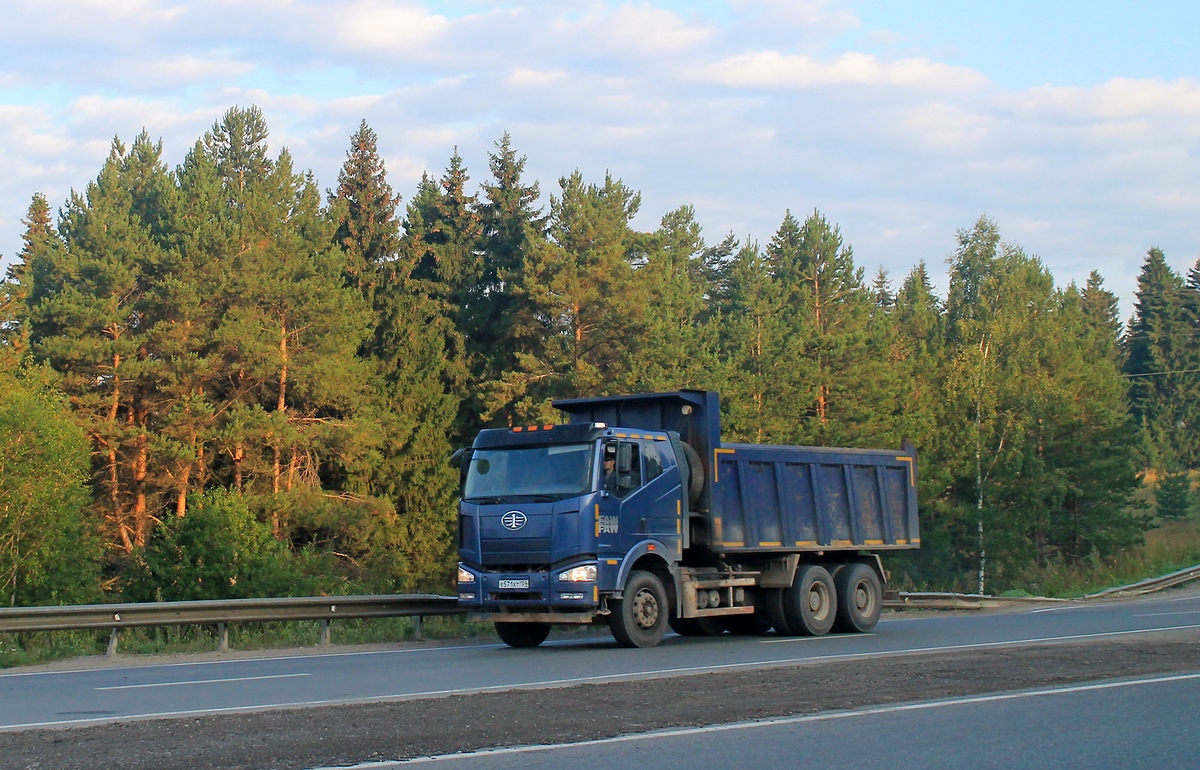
(411, 369)
(511, 224)
(1159, 348)
(36, 258)
(368, 231)
(1174, 497)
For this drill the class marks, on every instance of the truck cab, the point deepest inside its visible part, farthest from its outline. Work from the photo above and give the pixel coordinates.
(546, 535)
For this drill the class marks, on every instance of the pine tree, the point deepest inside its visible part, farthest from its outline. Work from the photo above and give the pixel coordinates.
(91, 320)
(581, 306)
(290, 329)
(849, 384)
(679, 344)
(763, 369)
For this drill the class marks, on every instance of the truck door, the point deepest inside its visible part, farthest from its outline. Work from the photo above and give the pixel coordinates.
(643, 500)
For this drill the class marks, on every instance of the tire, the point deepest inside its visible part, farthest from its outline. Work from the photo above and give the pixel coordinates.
(640, 617)
(773, 609)
(696, 626)
(695, 477)
(522, 634)
(810, 605)
(860, 598)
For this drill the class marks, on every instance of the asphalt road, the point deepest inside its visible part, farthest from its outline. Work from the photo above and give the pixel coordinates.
(105, 693)
(1140, 723)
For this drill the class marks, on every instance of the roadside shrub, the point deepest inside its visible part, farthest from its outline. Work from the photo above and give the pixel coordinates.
(218, 551)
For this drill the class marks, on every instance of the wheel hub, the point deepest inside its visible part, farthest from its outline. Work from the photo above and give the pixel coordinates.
(645, 609)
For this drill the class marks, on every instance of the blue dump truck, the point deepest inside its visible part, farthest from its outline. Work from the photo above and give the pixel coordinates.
(635, 514)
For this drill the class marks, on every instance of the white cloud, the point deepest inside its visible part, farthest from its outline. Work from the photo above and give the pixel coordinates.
(1119, 98)
(773, 69)
(380, 25)
(528, 77)
(115, 10)
(641, 30)
(188, 69)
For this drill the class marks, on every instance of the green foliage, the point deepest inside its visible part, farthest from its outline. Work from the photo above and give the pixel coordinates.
(1173, 497)
(220, 550)
(49, 552)
(1162, 362)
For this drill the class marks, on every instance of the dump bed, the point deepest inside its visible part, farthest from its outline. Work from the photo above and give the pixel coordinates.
(760, 497)
(812, 498)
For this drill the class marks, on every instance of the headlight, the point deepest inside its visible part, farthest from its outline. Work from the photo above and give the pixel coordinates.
(585, 574)
(465, 576)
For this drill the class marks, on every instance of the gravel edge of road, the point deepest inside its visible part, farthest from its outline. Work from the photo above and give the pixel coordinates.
(345, 734)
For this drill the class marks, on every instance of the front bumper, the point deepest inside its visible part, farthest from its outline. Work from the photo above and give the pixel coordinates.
(526, 591)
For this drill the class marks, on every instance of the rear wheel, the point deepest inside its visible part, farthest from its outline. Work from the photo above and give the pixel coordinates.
(522, 634)
(640, 617)
(860, 598)
(773, 609)
(810, 605)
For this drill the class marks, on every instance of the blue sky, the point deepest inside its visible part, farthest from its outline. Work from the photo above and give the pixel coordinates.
(1076, 126)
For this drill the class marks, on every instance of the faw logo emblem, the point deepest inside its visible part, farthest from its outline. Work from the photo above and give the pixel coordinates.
(513, 520)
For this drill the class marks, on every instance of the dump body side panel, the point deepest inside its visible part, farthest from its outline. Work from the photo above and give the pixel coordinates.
(812, 498)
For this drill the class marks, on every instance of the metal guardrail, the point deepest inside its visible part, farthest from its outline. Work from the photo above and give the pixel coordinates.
(224, 612)
(952, 601)
(1151, 585)
(416, 606)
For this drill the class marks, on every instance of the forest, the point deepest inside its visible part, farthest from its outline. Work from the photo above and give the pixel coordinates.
(217, 381)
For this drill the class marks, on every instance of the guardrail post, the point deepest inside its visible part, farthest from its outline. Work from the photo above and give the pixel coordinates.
(222, 637)
(325, 632)
(418, 628)
(112, 642)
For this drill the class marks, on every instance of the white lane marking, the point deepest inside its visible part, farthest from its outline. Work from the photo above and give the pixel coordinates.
(778, 721)
(200, 681)
(1014, 642)
(1060, 609)
(553, 683)
(1160, 614)
(261, 659)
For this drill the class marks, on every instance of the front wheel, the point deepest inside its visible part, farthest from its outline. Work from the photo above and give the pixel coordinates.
(640, 617)
(522, 634)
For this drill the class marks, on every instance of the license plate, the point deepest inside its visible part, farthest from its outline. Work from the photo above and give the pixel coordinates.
(523, 583)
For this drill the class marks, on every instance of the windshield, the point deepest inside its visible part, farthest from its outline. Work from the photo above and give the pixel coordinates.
(534, 474)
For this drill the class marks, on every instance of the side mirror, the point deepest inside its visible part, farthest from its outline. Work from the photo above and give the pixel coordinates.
(624, 458)
(456, 459)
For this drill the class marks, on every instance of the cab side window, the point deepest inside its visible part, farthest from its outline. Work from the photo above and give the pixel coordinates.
(653, 461)
(629, 468)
